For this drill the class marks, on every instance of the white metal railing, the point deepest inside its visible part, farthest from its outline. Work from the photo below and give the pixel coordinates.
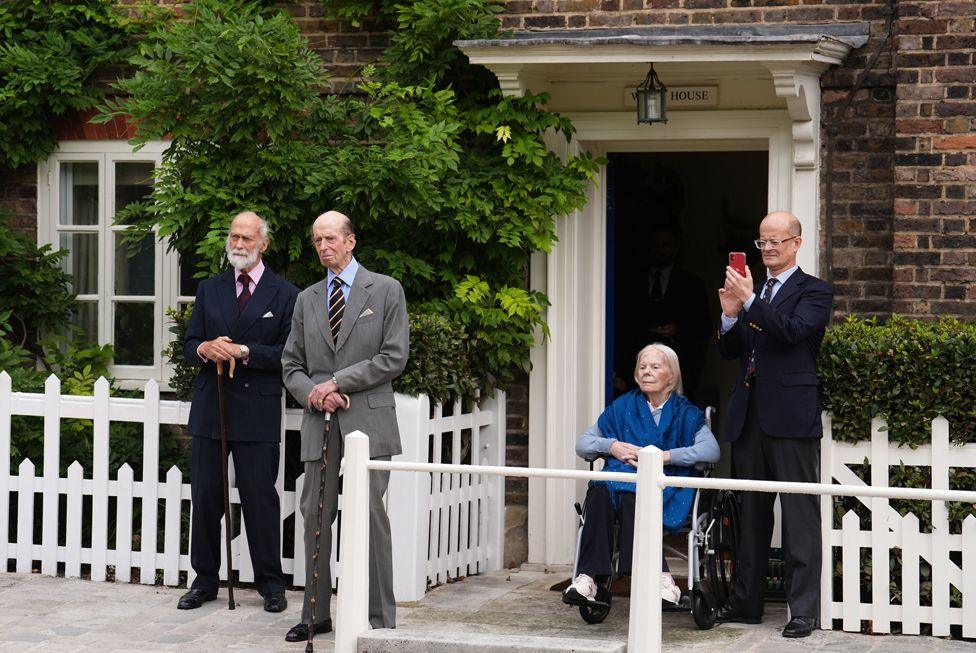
(645, 614)
(432, 509)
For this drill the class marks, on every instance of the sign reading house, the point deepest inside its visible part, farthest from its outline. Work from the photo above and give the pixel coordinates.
(682, 97)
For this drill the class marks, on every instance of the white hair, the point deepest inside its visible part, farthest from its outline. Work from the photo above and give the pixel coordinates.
(670, 359)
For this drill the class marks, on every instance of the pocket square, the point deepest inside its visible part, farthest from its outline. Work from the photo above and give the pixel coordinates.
(368, 311)
(268, 314)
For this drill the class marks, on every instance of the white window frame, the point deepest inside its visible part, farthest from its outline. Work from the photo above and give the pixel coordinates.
(166, 274)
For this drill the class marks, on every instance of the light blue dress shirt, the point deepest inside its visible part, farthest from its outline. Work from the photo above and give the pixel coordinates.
(348, 275)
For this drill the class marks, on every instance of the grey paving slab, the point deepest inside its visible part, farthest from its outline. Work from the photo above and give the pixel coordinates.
(41, 614)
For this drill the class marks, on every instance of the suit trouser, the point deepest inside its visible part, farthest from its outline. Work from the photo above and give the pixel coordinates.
(756, 456)
(256, 468)
(382, 605)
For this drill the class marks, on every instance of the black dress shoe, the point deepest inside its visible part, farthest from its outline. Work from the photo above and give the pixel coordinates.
(275, 602)
(727, 614)
(194, 599)
(299, 633)
(799, 627)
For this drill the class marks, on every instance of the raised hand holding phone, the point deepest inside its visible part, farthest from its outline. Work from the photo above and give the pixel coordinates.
(737, 261)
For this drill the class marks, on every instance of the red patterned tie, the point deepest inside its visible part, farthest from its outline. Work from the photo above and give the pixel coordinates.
(246, 292)
(767, 296)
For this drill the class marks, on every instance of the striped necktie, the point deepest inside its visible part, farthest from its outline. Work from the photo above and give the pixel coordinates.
(767, 297)
(246, 292)
(337, 305)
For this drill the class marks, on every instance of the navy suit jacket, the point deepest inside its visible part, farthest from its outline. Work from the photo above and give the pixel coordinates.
(786, 335)
(253, 397)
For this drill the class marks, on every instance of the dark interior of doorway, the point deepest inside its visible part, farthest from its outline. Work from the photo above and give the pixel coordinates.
(711, 203)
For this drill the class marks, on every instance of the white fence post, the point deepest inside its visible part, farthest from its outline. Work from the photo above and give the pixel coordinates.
(5, 412)
(352, 605)
(826, 523)
(172, 526)
(150, 484)
(494, 454)
(408, 501)
(50, 502)
(851, 567)
(99, 538)
(910, 619)
(123, 524)
(25, 516)
(645, 579)
(969, 579)
(880, 531)
(72, 540)
(940, 529)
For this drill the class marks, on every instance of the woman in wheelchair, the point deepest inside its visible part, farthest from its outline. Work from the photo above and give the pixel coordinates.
(656, 414)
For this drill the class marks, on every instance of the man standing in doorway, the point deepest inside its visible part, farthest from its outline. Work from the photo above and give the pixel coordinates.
(349, 340)
(773, 420)
(243, 314)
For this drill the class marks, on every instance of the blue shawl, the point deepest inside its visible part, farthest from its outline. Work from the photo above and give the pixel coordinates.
(629, 419)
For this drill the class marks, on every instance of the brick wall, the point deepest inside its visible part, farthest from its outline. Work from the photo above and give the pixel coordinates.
(935, 162)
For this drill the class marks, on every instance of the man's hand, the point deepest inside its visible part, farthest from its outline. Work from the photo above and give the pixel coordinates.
(317, 397)
(625, 453)
(221, 348)
(735, 292)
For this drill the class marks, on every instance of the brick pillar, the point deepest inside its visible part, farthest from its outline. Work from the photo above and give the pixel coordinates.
(935, 164)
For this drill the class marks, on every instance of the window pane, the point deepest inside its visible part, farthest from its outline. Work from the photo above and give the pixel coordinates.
(188, 267)
(133, 181)
(135, 266)
(81, 261)
(134, 334)
(79, 193)
(85, 317)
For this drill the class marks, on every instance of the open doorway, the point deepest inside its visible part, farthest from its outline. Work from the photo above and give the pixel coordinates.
(672, 219)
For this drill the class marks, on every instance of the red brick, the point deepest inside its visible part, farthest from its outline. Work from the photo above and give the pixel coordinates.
(955, 142)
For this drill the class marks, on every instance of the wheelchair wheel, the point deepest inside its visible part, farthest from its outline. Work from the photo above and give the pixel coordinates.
(722, 543)
(703, 608)
(596, 613)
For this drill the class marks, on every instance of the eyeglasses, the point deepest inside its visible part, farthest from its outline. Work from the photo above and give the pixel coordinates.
(771, 244)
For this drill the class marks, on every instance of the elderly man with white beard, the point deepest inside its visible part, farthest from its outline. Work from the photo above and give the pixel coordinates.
(242, 314)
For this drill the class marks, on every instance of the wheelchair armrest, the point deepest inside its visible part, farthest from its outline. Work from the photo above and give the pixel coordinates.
(704, 468)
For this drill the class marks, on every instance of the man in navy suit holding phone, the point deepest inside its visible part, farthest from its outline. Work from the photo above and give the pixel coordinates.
(773, 421)
(242, 314)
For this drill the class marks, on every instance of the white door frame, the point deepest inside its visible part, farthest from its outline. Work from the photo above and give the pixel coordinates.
(566, 385)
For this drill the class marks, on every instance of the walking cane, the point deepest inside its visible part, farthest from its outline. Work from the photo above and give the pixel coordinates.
(228, 521)
(318, 535)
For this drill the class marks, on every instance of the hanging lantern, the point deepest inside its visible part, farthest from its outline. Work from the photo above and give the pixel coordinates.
(650, 96)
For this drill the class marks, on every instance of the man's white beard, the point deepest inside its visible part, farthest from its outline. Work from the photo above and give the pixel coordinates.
(240, 258)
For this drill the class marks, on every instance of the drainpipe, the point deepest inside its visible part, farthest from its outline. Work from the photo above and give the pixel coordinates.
(832, 127)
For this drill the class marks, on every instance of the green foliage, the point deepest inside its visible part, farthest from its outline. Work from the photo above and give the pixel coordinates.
(440, 359)
(449, 184)
(905, 371)
(49, 52)
(36, 291)
(183, 373)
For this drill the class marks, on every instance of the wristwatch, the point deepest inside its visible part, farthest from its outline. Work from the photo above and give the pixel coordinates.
(245, 351)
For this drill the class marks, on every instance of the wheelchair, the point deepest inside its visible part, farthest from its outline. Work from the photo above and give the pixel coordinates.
(712, 531)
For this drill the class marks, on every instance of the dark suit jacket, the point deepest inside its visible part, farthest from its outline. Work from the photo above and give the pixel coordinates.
(786, 335)
(253, 396)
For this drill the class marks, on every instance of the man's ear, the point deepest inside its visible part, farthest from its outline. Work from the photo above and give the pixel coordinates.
(264, 245)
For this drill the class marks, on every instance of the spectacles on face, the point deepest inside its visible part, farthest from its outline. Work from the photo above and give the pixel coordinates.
(772, 244)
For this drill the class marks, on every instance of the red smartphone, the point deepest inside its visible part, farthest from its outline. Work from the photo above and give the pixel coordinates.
(737, 261)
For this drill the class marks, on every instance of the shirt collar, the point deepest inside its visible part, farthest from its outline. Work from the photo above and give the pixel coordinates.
(348, 274)
(254, 274)
(782, 276)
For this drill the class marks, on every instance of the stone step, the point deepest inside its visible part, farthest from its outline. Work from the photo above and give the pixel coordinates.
(398, 641)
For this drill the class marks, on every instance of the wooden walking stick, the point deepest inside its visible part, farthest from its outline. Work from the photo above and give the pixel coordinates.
(318, 535)
(228, 521)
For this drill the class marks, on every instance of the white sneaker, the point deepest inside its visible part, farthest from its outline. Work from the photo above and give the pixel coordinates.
(670, 592)
(581, 591)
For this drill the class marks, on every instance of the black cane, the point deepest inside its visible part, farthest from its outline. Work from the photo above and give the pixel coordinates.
(228, 522)
(318, 535)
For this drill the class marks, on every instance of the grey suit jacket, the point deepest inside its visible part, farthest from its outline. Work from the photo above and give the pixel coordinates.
(370, 352)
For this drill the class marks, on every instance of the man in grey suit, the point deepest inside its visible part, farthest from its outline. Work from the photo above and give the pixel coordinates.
(349, 339)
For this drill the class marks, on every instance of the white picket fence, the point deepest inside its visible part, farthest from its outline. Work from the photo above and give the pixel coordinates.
(454, 528)
(952, 557)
